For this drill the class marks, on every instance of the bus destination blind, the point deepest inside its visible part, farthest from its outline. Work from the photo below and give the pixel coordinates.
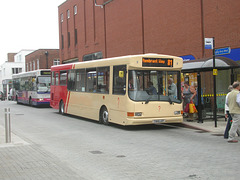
(45, 72)
(157, 62)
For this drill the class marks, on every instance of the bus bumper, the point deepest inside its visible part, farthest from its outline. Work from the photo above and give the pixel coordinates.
(163, 120)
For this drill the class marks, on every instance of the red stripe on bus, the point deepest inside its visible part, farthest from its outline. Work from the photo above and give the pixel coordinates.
(67, 101)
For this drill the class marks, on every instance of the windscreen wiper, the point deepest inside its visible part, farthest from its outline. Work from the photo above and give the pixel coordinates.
(148, 99)
(169, 100)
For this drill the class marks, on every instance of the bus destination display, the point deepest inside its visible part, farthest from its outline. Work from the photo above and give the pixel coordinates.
(45, 72)
(157, 62)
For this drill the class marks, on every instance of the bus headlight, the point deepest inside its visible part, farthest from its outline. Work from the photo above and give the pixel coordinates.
(177, 112)
(138, 113)
(131, 114)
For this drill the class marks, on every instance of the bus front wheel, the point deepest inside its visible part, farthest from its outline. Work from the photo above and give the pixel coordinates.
(104, 116)
(61, 108)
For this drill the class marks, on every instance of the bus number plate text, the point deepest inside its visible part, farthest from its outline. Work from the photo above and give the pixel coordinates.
(157, 121)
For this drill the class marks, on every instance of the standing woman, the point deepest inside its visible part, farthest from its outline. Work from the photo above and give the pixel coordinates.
(188, 94)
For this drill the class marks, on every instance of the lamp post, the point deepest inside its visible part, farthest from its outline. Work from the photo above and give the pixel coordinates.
(46, 53)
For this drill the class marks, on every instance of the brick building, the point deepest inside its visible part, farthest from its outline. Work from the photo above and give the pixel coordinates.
(94, 29)
(91, 29)
(42, 59)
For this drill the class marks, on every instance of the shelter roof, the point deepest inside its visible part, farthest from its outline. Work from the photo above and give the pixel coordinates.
(207, 64)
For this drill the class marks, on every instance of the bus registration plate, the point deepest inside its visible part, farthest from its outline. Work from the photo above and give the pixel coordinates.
(157, 121)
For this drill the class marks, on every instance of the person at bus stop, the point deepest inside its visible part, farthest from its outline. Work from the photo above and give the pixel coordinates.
(188, 94)
(233, 102)
(172, 88)
(227, 114)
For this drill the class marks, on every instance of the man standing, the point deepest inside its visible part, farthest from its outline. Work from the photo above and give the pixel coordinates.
(172, 88)
(234, 110)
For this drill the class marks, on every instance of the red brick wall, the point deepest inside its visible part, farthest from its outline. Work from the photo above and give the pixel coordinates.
(123, 27)
(40, 54)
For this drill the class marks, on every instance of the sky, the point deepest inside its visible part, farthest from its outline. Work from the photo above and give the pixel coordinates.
(28, 24)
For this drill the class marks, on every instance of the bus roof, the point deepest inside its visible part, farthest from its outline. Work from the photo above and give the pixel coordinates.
(31, 73)
(131, 60)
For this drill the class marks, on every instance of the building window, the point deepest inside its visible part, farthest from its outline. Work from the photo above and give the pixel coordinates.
(75, 9)
(37, 63)
(33, 65)
(16, 70)
(61, 17)
(68, 39)
(75, 32)
(62, 42)
(68, 13)
(56, 62)
(30, 66)
(93, 56)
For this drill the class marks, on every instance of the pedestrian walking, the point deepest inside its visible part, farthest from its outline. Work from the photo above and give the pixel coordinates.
(234, 110)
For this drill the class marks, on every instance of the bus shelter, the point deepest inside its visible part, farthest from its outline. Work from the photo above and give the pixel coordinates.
(200, 72)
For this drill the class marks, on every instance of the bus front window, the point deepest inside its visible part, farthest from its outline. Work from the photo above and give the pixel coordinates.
(43, 84)
(154, 86)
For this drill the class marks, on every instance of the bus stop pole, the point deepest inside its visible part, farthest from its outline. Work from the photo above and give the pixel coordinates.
(214, 87)
(199, 95)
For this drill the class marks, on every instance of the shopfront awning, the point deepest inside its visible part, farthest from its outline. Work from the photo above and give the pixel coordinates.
(201, 65)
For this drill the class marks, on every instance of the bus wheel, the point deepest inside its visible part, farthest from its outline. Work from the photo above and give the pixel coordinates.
(61, 108)
(104, 116)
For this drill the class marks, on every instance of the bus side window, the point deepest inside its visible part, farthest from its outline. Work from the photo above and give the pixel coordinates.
(63, 78)
(80, 80)
(53, 80)
(91, 80)
(119, 79)
(103, 79)
(57, 79)
(71, 80)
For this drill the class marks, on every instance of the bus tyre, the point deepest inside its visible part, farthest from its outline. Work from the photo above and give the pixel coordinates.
(61, 108)
(104, 116)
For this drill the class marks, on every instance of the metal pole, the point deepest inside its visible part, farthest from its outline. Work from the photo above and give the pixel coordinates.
(6, 126)
(214, 87)
(9, 125)
(199, 91)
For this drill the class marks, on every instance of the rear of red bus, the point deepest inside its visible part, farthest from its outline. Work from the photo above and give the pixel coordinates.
(59, 85)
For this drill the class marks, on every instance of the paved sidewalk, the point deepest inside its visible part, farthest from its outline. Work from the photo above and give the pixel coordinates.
(26, 160)
(21, 160)
(208, 125)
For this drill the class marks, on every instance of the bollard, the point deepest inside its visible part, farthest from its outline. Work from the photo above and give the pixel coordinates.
(7, 125)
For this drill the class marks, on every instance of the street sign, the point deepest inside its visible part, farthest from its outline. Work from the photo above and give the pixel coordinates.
(208, 43)
(222, 51)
